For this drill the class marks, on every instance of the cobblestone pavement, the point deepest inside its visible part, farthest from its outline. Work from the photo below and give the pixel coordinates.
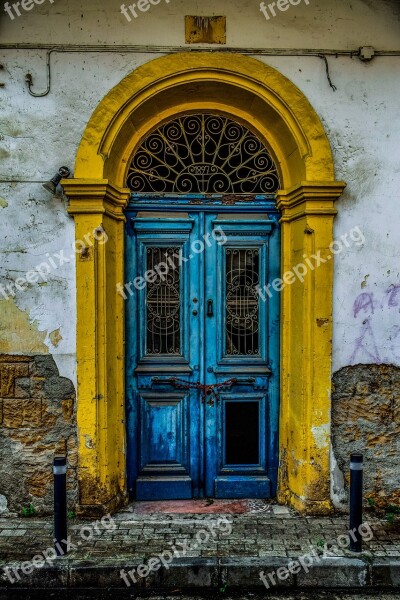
(268, 531)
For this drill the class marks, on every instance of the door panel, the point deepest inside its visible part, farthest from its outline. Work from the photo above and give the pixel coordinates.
(163, 449)
(167, 429)
(164, 430)
(239, 346)
(200, 321)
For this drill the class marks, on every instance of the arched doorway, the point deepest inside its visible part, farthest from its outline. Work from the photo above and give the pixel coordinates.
(259, 98)
(202, 370)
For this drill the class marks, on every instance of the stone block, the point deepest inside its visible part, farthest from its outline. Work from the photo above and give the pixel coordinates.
(43, 366)
(19, 413)
(245, 572)
(35, 423)
(8, 373)
(67, 406)
(12, 413)
(385, 572)
(334, 573)
(187, 573)
(58, 387)
(22, 387)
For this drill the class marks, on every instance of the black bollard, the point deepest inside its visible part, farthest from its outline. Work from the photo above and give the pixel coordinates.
(356, 499)
(60, 505)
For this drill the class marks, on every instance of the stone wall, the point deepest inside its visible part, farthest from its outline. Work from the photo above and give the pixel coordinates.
(366, 419)
(37, 421)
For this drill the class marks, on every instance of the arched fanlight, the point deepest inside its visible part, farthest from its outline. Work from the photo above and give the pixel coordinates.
(203, 154)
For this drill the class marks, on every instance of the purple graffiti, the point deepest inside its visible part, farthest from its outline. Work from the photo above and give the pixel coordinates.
(366, 336)
(364, 302)
(393, 295)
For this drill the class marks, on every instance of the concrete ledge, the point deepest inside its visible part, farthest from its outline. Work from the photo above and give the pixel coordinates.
(335, 573)
(245, 572)
(54, 577)
(386, 572)
(209, 574)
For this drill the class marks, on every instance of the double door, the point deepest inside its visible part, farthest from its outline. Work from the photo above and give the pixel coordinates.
(202, 342)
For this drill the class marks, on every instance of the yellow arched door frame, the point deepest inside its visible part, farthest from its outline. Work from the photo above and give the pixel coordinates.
(261, 98)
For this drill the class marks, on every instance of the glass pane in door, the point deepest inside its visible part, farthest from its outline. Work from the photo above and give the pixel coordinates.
(163, 301)
(242, 302)
(242, 433)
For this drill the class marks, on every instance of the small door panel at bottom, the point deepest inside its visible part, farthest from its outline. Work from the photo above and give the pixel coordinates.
(241, 458)
(163, 446)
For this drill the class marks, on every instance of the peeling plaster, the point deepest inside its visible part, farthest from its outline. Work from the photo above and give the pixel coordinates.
(321, 435)
(338, 494)
(364, 282)
(3, 202)
(17, 333)
(55, 337)
(88, 442)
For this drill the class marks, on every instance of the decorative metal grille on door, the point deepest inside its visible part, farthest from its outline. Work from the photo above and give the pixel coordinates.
(206, 154)
(163, 302)
(242, 301)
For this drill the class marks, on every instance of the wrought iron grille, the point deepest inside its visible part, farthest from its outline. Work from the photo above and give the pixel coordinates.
(242, 301)
(163, 303)
(206, 154)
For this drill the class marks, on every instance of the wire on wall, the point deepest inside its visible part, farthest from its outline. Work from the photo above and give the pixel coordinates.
(65, 48)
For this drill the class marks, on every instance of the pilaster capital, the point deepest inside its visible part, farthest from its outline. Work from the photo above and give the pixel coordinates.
(95, 196)
(309, 198)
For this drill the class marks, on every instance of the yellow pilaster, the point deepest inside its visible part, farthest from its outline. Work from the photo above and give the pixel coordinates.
(97, 208)
(306, 341)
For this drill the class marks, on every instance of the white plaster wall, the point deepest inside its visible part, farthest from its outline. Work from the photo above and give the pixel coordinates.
(343, 24)
(37, 135)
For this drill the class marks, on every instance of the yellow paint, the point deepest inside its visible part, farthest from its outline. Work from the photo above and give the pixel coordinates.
(100, 344)
(3, 203)
(269, 104)
(205, 30)
(55, 337)
(364, 282)
(238, 86)
(306, 347)
(18, 335)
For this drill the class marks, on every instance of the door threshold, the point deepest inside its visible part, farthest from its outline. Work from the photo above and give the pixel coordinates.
(204, 506)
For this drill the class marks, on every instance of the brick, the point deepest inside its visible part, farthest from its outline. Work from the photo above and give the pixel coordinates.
(67, 406)
(12, 413)
(21, 413)
(22, 387)
(8, 373)
(32, 413)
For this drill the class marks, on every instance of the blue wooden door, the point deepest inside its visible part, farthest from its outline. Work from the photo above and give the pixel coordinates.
(202, 340)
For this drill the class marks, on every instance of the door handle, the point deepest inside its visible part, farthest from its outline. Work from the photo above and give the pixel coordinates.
(210, 308)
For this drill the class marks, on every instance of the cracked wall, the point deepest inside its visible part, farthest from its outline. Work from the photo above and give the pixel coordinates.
(37, 421)
(366, 419)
